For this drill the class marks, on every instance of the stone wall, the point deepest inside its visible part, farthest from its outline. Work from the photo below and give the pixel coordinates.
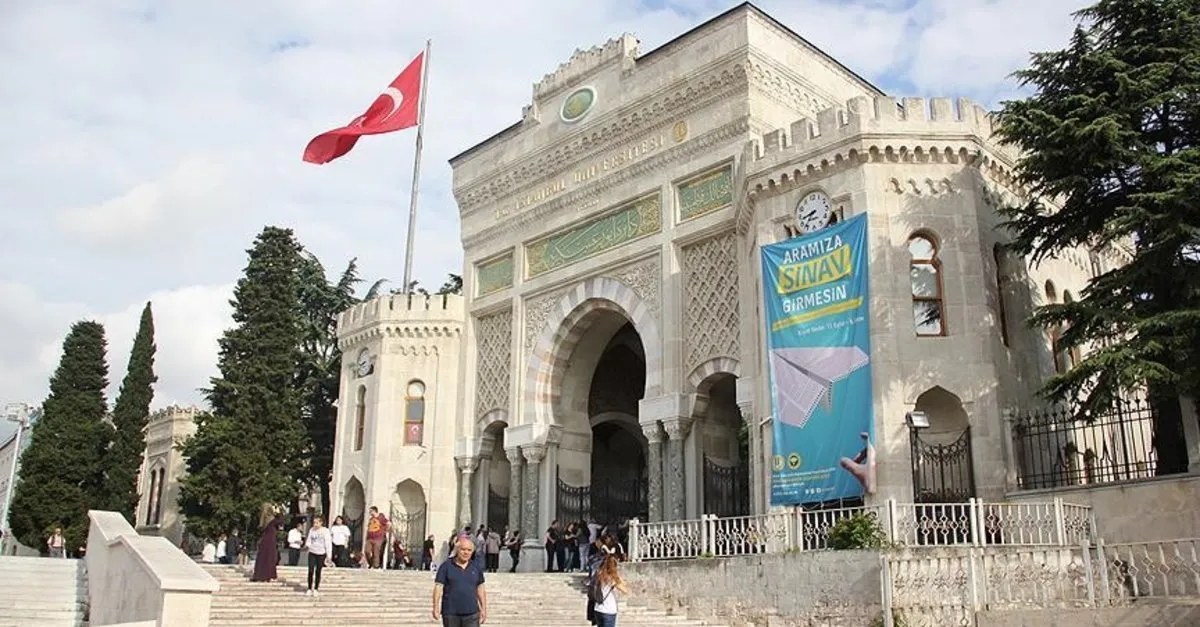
(826, 589)
(1138, 616)
(1143, 511)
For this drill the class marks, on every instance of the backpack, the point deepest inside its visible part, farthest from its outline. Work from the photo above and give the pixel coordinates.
(596, 591)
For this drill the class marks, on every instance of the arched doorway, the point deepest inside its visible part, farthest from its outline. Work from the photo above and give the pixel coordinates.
(724, 447)
(496, 477)
(353, 507)
(942, 463)
(606, 379)
(407, 515)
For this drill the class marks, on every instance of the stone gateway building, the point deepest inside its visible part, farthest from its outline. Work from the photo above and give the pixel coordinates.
(607, 358)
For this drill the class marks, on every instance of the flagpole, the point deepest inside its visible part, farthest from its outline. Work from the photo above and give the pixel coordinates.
(416, 179)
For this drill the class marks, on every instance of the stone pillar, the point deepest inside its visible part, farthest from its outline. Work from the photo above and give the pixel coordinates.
(754, 450)
(516, 466)
(466, 466)
(483, 485)
(654, 438)
(676, 486)
(533, 465)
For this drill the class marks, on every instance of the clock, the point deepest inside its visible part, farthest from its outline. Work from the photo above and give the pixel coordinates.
(363, 365)
(813, 212)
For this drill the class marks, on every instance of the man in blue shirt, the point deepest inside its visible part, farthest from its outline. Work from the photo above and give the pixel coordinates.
(459, 598)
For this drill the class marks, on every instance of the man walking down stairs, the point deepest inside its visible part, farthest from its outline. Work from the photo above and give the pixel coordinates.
(42, 592)
(351, 596)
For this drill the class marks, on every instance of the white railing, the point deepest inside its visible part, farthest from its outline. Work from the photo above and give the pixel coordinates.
(975, 523)
(948, 585)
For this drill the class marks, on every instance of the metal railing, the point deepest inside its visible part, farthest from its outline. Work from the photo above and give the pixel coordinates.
(1051, 449)
(974, 523)
(947, 586)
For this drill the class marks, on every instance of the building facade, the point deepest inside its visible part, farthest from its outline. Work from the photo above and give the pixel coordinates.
(608, 352)
(10, 469)
(163, 467)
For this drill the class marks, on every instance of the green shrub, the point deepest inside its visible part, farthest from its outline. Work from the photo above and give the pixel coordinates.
(859, 531)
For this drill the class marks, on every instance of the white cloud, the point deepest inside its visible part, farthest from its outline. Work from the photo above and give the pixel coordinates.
(147, 143)
(187, 321)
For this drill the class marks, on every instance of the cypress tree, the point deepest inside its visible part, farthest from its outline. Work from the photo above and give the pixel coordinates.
(62, 471)
(130, 414)
(1112, 141)
(248, 450)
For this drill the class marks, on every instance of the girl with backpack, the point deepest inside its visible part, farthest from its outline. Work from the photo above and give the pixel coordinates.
(603, 589)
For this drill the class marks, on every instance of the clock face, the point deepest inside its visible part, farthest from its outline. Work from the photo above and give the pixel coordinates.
(364, 363)
(813, 212)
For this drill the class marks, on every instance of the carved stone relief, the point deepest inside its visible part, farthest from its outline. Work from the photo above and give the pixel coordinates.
(645, 279)
(494, 366)
(710, 293)
(537, 311)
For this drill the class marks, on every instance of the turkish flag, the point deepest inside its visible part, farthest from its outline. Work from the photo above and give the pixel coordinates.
(393, 110)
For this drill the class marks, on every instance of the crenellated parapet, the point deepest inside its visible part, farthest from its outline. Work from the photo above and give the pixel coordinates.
(881, 130)
(175, 412)
(407, 316)
(584, 62)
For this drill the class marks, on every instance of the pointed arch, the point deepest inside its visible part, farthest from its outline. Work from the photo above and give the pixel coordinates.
(575, 312)
(713, 366)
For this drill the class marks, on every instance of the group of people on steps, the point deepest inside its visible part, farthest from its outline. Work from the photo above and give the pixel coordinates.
(459, 594)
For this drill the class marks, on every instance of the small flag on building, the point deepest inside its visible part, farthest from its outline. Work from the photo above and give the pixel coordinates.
(396, 108)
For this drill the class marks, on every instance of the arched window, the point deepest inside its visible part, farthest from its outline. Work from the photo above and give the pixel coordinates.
(360, 417)
(414, 413)
(1064, 358)
(158, 495)
(1051, 292)
(1000, 258)
(150, 495)
(925, 274)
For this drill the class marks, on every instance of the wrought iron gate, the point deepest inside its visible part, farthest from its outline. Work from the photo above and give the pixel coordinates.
(942, 473)
(497, 511)
(726, 492)
(944, 481)
(607, 500)
(410, 529)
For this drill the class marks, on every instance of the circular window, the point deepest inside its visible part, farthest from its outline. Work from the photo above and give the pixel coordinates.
(577, 105)
(416, 389)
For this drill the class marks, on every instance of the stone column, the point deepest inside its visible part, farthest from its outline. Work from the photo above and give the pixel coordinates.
(755, 463)
(676, 489)
(516, 466)
(654, 438)
(466, 466)
(533, 464)
(483, 485)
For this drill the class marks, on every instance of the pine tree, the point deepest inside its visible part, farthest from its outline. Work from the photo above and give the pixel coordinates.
(130, 415)
(62, 472)
(1112, 141)
(247, 451)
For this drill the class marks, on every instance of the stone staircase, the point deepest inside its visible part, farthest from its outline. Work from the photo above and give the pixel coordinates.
(42, 592)
(351, 596)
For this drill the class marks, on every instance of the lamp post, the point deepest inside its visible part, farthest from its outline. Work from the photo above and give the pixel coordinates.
(18, 413)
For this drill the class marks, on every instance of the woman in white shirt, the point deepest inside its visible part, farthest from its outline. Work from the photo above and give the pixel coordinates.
(341, 540)
(209, 554)
(222, 557)
(320, 545)
(607, 584)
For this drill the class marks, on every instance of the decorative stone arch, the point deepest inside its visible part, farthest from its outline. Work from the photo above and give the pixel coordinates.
(568, 322)
(487, 420)
(716, 365)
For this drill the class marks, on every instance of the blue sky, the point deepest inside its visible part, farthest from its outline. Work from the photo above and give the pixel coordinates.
(147, 142)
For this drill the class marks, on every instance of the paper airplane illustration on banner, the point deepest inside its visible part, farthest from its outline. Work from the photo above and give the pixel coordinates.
(804, 377)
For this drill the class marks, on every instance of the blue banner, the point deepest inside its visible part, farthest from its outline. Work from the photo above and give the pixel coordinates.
(819, 354)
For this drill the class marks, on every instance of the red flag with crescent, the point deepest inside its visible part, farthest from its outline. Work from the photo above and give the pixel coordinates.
(395, 109)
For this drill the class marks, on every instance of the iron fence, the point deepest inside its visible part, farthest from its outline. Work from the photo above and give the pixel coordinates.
(1052, 449)
(975, 523)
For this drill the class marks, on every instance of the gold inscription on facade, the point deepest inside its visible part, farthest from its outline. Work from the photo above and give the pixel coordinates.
(615, 161)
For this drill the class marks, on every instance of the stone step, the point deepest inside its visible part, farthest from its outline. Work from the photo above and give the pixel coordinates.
(42, 592)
